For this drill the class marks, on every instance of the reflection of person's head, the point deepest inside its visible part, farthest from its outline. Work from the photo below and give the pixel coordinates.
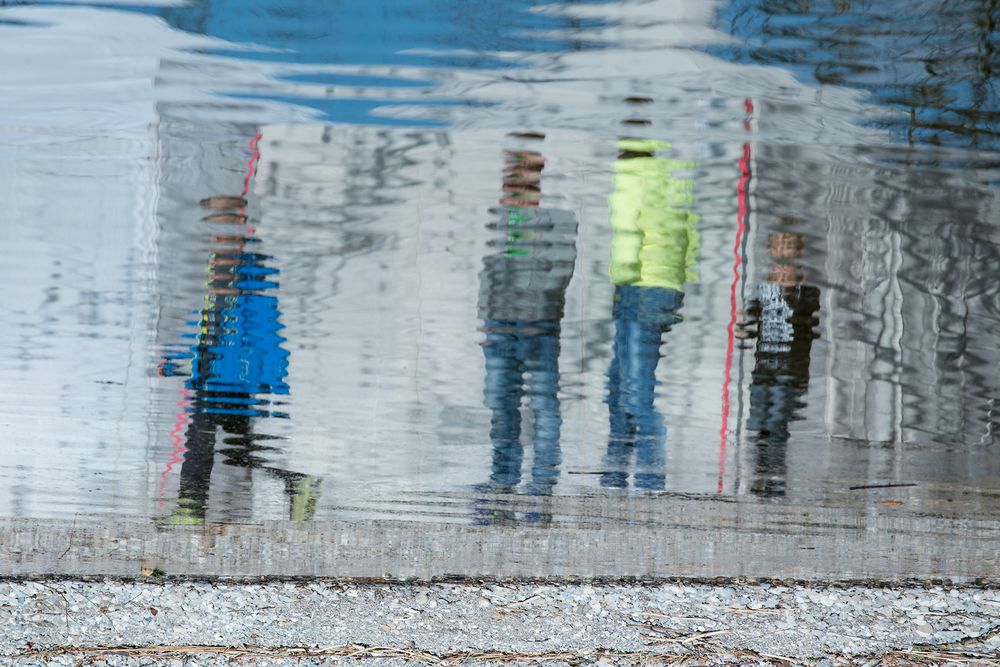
(631, 155)
(222, 202)
(631, 146)
(224, 265)
(226, 209)
(638, 121)
(522, 177)
(784, 246)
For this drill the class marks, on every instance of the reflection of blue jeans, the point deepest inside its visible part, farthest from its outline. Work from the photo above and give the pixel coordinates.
(514, 349)
(641, 314)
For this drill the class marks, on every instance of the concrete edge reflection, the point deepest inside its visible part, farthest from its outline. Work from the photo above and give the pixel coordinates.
(690, 539)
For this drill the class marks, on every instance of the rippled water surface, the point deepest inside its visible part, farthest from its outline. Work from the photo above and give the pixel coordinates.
(430, 260)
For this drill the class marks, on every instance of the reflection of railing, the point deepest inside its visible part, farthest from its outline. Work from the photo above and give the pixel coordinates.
(177, 448)
(738, 265)
(739, 276)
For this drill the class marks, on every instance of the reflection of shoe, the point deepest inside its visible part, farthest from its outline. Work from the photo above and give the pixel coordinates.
(485, 510)
(494, 488)
(614, 480)
(304, 494)
(540, 488)
(503, 518)
(183, 516)
(650, 481)
(768, 488)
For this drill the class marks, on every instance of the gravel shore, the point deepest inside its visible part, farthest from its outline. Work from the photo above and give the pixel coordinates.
(140, 622)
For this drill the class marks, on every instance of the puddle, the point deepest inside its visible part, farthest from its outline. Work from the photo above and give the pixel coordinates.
(454, 264)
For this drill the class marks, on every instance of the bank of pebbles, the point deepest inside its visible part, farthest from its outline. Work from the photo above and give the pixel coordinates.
(318, 622)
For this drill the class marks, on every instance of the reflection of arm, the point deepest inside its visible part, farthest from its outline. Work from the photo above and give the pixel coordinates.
(693, 249)
(805, 321)
(626, 239)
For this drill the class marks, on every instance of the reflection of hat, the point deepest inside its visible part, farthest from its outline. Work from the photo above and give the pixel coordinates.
(642, 145)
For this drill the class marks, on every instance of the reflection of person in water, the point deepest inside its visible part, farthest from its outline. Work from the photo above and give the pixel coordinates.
(236, 360)
(784, 314)
(653, 251)
(521, 301)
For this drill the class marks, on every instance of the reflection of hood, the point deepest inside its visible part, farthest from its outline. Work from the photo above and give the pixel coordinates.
(642, 145)
(654, 242)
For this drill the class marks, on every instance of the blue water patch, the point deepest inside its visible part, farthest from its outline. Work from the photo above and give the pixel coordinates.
(356, 80)
(382, 32)
(931, 63)
(361, 111)
(15, 23)
(433, 34)
(422, 33)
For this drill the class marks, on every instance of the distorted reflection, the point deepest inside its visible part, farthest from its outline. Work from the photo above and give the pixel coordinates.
(127, 114)
(654, 248)
(942, 84)
(522, 297)
(425, 32)
(237, 363)
(781, 316)
(308, 35)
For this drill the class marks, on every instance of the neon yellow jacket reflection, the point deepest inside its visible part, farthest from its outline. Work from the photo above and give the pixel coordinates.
(654, 242)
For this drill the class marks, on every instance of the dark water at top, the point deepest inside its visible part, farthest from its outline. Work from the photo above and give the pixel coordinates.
(310, 259)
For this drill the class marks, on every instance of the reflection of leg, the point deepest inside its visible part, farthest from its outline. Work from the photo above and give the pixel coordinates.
(542, 365)
(657, 312)
(199, 457)
(772, 406)
(503, 397)
(641, 314)
(196, 470)
(620, 427)
(643, 354)
(302, 491)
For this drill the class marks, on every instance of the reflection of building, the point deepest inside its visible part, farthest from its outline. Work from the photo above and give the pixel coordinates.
(909, 343)
(913, 320)
(941, 90)
(372, 224)
(326, 205)
(76, 227)
(902, 372)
